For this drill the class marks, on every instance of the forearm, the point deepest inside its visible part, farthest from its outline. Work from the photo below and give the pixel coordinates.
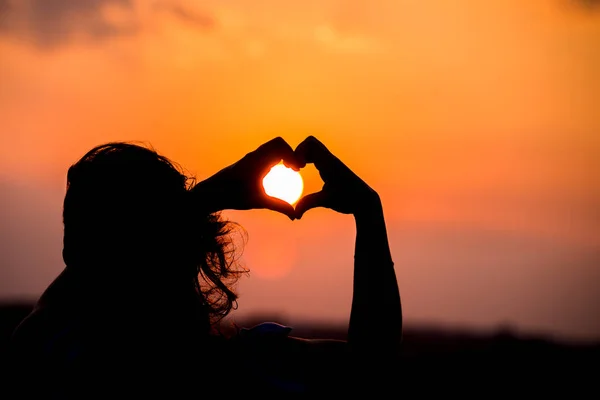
(209, 196)
(376, 314)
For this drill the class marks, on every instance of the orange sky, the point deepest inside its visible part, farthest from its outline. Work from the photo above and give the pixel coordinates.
(476, 121)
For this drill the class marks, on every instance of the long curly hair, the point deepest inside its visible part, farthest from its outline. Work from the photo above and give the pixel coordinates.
(126, 204)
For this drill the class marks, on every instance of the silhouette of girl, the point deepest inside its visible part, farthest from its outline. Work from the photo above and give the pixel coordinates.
(149, 272)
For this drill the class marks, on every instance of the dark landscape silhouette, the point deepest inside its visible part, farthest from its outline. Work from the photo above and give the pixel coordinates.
(441, 360)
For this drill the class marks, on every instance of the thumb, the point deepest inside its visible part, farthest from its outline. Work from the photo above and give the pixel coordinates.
(313, 200)
(282, 206)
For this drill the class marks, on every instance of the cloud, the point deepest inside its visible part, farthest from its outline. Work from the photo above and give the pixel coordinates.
(583, 5)
(185, 14)
(48, 24)
(590, 4)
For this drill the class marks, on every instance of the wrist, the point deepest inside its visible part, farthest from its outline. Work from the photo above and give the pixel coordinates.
(369, 208)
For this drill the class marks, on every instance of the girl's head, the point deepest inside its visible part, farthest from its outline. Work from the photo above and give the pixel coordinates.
(134, 229)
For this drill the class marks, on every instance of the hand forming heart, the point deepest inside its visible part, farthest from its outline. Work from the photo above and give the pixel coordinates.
(239, 186)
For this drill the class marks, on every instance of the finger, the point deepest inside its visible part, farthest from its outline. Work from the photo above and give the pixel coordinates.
(311, 150)
(330, 168)
(274, 151)
(310, 201)
(293, 166)
(281, 206)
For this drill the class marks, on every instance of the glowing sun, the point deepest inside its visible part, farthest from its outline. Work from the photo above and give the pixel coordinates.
(284, 183)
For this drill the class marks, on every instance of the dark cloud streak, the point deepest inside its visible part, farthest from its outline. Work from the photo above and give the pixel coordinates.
(51, 23)
(591, 4)
(48, 24)
(582, 5)
(192, 17)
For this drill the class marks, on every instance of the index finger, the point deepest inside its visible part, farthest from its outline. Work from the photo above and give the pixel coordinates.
(311, 150)
(276, 150)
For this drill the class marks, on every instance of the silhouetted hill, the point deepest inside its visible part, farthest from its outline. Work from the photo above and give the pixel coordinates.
(440, 360)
